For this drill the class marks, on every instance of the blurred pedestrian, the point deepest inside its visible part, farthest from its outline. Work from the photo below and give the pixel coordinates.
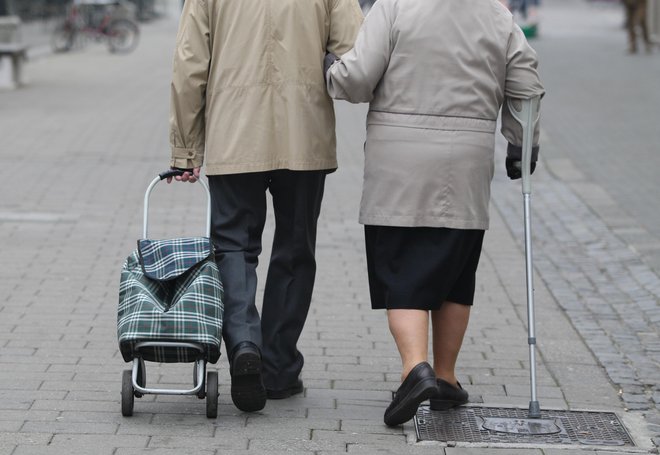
(436, 75)
(636, 17)
(249, 101)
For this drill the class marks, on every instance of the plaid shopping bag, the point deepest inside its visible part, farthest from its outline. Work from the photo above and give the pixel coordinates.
(170, 290)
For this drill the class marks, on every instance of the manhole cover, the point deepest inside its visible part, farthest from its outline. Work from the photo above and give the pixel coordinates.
(510, 425)
(520, 426)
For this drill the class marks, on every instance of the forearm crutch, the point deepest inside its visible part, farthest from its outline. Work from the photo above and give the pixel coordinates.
(527, 115)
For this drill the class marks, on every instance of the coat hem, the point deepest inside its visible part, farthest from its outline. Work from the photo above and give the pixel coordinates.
(221, 169)
(423, 221)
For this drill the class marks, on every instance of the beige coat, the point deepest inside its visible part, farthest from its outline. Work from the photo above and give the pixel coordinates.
(436, 74)
(248, 83)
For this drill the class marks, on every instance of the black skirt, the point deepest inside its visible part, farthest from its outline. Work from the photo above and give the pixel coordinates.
(421, 267)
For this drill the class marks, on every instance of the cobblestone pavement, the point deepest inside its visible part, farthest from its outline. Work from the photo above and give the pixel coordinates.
(601, 114)
(80, 144)
(598, 213)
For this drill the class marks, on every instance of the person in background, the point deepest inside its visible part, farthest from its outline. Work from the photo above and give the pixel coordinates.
(636, 17)
(436, 74)
(248, 100)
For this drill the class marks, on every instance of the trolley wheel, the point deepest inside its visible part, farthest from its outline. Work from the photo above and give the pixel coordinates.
(127, 397)
(141, 377)
(202, 393)
(212, 394)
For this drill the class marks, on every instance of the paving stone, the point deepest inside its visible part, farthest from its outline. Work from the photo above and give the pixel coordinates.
(51, 450)
(10, 426)
(387, 440)
(350, 394)
(91, 442)
(60, 427)
(493, 451)
(543, 392)
(371, 414)
(268, 446)
(62, 405)
(177, 451)
(14, 439)
(419, 449)
(224, 440)
(188, 431)
(267, 424)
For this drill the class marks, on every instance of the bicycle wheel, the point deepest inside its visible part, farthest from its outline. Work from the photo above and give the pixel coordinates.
(123, 36)
(63, 38)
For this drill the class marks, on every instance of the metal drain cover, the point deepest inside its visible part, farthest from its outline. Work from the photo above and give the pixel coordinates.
(509, 425)
(520, 426)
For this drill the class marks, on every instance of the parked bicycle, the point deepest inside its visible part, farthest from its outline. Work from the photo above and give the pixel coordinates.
(98, 23)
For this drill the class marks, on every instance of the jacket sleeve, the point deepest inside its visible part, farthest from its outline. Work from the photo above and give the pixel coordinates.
(522, 82)
(355, 76)
(188, 90)
(345, 20)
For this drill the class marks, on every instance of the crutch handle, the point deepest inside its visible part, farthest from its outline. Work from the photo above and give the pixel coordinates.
(526, 115)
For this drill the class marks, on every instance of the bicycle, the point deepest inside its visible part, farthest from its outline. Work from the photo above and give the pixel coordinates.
(121, 35)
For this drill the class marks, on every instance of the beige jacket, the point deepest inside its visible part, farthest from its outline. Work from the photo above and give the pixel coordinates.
(248, 85)
(436, 74)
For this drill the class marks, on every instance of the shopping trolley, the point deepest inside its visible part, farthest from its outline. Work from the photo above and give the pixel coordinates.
(170, 310)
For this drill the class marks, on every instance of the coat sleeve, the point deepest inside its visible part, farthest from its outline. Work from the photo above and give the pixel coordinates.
(188, 90)
(522, 82)
(355, 76)
(345, 20)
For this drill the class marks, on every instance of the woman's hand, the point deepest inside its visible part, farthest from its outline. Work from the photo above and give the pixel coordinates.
(514, 170)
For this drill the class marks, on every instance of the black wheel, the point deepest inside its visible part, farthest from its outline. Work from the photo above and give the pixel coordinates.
(202, 393)
(63, 38)
(127, 397)
(141, 377)
(123, 36)
(212, 394)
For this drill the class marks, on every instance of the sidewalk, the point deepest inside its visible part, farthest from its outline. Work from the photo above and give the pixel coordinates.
(82, 141)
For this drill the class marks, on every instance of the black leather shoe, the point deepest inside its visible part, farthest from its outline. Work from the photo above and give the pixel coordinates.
(247, 387)
(417, 387)
(448, 396)
(293, 389)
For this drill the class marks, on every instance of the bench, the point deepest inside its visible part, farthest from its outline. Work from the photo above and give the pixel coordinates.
(12, 49)
(17, 54)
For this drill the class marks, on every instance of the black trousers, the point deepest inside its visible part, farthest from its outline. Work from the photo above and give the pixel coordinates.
(238, 218)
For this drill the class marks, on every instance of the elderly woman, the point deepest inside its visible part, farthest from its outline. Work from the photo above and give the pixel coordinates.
(436, 74)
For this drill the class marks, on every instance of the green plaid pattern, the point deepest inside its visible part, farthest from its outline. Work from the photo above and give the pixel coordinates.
(167, 259)
(187, 308)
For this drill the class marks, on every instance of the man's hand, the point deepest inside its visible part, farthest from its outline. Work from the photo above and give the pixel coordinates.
(190, 175)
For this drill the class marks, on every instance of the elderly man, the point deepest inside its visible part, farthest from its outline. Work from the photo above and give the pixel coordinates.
(249, 101)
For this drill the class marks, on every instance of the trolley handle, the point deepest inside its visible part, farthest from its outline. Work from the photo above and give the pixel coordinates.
(162, 176)
(173, 173)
